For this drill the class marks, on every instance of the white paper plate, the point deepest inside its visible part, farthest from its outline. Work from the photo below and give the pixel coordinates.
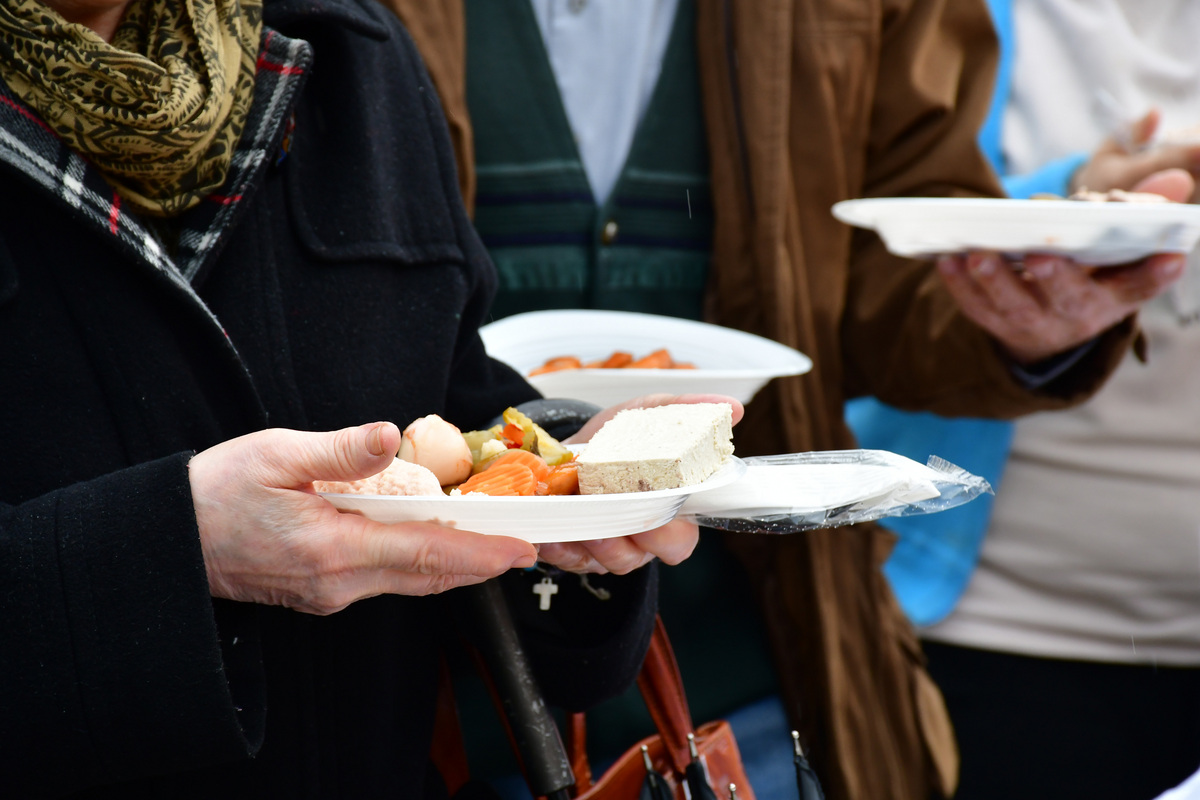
(727, 361)
(540, 519)
(1100, 234)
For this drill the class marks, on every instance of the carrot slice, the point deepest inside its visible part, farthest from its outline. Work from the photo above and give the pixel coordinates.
(503, 480)
(618, 359)
(557, 364)
(513, 433)
(563, 479)
(659, 359)
(536, 464)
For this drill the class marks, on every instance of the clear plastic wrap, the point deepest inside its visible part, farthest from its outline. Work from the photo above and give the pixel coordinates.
(828, 489)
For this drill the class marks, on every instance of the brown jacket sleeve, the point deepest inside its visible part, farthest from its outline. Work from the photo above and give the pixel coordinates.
(904, 339)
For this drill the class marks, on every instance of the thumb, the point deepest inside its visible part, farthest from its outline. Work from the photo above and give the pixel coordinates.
(1174, 184)
(344, 455)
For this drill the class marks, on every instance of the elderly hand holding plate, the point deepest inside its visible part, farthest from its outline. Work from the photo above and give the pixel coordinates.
(267, 537)
(1055, 304)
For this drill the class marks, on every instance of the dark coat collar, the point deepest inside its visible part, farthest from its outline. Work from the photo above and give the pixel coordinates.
(361, 16)
(30, 147)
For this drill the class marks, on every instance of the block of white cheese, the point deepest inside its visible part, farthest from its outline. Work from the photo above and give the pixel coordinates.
(666, 447)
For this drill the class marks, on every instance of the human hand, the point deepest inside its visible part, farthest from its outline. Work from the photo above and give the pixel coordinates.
(268, 538)
(671, 543)
(1123, 165)
(1054, 304)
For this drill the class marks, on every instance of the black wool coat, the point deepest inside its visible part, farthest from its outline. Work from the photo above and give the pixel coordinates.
(334, 280)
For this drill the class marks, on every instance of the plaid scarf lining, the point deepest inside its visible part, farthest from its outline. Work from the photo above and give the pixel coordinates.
(29, 145)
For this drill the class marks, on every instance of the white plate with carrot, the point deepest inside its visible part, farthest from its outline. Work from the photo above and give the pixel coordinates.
(551, 518)
(512, 479)
(614, 356)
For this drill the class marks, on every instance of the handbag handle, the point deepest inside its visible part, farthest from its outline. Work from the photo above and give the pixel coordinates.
(661, 686)
(662, 689)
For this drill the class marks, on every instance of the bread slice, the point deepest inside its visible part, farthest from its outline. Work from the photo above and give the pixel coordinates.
(666, 447)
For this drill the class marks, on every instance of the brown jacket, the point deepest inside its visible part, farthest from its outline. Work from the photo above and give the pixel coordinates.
(809, 102)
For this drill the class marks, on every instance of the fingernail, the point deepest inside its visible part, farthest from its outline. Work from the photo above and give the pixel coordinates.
(524, 562)
(1171, 269)
(986, 265)
(1041, 269)
(375, 440)
(947, 265)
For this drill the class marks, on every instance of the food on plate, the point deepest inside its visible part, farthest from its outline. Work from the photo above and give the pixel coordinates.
(398, 478)
(517, 432)
(619, 359)
(1116, 196)
(520, 472)
(562, 479)
(555, 364)
(501, 480)
(533, 462)
(665, 447)
(1087, 195)
(637, 450)
(439, 446)
(659, 359)
(1185, 136)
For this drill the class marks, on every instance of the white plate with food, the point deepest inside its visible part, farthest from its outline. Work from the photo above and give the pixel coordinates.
(565, 518)
(720, 360)
(1095, 233)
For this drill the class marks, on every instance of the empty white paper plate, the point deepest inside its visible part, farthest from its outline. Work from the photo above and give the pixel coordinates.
(727, 361)
(1098, 234)
(570, 518)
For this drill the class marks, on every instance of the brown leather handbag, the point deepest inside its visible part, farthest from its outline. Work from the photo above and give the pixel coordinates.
(669, 751)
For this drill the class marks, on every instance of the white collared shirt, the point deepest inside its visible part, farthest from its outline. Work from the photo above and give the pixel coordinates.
(606, 56)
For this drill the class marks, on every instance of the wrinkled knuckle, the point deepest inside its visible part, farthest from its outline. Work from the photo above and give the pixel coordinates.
(324, 608)
(343, 454)
(326, 596)
(313, 600)
(430, 560)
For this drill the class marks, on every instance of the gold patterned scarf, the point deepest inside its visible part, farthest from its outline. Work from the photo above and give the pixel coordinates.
(160, 110)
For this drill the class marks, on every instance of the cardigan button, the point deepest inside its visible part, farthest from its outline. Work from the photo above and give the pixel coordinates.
(609, 234)
(576, 6)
